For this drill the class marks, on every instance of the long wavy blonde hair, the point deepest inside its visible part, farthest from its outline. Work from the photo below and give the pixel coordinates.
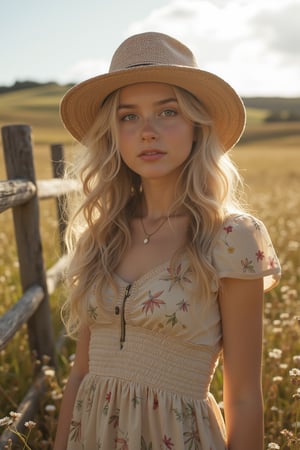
(99, 233)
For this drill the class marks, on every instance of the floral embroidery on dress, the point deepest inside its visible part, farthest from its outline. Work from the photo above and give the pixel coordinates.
(121, 443)
(172, 318)
(155, 402)
(152, 302)
(228, 230)
(247, 265)
(272, 262)
(106, 404)
(167, 442)
(92, 312)
(188, 417)
(255, 223)
(136, 401)
(75, 431)
(178, 276)
(260, 255)
(144, 446)
(90, 397)
(114, 418)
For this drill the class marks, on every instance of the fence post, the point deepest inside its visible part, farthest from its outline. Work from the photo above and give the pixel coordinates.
(19, 164)
(58, 168)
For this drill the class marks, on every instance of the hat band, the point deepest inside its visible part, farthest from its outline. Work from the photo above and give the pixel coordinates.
(138, 65)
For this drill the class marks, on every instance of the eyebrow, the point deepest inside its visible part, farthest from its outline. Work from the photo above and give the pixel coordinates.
(159, 103)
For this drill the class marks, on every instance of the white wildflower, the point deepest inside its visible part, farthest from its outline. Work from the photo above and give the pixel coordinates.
(272, 445)
(276, 353)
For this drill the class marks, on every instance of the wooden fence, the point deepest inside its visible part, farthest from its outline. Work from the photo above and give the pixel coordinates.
(22, 193)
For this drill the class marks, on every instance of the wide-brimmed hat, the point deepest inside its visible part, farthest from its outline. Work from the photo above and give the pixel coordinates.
(155, 57)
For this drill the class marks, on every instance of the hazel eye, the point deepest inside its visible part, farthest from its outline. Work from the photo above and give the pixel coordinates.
(168, 113)
(128, 117)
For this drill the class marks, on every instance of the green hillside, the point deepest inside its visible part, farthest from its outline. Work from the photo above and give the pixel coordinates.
(38, 106)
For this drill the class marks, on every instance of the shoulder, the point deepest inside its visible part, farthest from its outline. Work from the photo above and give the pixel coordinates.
(244, 250)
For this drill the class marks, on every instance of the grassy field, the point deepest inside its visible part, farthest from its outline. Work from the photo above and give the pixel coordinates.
(269, 162)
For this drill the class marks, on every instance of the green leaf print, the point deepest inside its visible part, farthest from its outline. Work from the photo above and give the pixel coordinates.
(144, 445)
(247, 265)
(192, 439)
(79, 404)
(172, 319)
(75, 431)
(92, 312)
(114, 419)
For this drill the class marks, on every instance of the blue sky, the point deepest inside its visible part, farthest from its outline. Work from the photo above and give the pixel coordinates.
(254, 44)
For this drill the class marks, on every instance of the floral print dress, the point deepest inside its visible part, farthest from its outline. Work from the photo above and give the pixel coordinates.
(154, 349)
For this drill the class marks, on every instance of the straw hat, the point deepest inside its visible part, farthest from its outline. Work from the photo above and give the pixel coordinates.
(155, 57)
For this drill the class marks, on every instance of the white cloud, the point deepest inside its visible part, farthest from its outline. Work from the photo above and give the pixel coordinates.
(83, 70)
(252, 44)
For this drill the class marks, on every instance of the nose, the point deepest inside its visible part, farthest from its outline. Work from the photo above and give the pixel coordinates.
(149, 132)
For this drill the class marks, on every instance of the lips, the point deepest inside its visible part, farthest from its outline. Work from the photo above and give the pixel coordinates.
(151, 155)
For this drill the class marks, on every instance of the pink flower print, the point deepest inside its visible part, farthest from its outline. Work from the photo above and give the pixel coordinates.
(230, 248)
(183, 305)
(155, 402)
(152, 302)
(177, 276)
(260, 255)
(168, 442)
(106, 404)
(272, 262)
(123, 442)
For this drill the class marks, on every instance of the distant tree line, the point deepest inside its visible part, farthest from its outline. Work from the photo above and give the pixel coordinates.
(280, 109)
(19, 85)
(283, 116)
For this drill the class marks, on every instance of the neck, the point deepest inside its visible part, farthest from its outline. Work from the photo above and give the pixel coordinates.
(157, 200)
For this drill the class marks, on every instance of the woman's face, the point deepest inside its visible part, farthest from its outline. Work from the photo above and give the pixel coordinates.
(154, 139)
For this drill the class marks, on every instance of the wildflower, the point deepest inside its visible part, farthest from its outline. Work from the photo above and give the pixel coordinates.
(5, 421)
(272, 445)
(276, 353)
(48, 372)
(284, 316)
(30, 424)
(56, 395)
(50, 408)
(277, 379)
(14, 415)
(294, 373)
(287, 433)
(283, 366)
(296, 359)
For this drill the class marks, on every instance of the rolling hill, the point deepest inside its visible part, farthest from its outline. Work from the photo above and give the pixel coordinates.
(38, 105)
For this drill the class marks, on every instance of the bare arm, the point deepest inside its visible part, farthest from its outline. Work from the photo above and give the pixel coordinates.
(241, 304)
(78, 371)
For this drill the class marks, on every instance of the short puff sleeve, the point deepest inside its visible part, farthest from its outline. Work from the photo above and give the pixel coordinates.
(244, 250)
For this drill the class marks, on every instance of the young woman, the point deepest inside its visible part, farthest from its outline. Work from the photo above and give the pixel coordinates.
(167, 272)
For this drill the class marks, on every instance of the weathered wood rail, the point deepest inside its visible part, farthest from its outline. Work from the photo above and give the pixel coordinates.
(22, 193)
